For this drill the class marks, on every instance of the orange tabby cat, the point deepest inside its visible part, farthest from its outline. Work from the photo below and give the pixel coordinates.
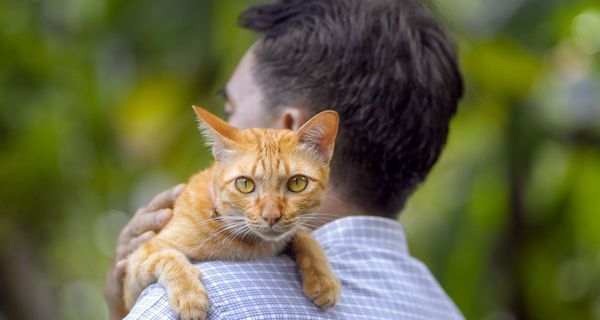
(249, 204)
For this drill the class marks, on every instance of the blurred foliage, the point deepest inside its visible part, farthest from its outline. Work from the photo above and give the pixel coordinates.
(95, 118)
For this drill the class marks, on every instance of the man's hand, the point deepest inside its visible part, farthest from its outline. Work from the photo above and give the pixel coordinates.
(144, 225)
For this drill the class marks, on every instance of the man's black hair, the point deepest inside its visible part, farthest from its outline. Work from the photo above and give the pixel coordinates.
(388, 68)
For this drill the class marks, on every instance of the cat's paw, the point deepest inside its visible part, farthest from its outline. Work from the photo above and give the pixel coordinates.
(190, 305)
(322, 288)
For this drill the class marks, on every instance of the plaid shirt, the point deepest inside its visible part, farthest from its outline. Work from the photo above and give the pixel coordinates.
(380, 280)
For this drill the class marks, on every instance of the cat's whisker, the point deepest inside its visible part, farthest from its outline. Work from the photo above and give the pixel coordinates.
(239, 230)
(243, 230)
(319, 217)
(225, 229)
(229, 218)
(229, 238)
(247, 232)
(334, 198)
(310, 227)
(223, 219)
(311, 220)
(235, 232)
(303, 228)
(232, 225)
(312, 224)
(315, 218)
(321, 220)
(213, 236)
(320, 214)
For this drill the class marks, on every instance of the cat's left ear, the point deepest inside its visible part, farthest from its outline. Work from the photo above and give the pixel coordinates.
(318, 134)
(220, 135)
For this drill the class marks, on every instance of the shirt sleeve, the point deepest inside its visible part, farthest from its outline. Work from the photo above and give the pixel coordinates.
(152, 304)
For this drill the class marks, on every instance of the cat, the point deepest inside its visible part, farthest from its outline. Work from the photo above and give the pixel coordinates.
(249, 204)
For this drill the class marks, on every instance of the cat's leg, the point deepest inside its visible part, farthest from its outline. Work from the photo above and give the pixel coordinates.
(170, 267)
(320, 284)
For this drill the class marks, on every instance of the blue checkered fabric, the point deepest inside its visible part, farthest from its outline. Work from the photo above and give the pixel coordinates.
(380, 280)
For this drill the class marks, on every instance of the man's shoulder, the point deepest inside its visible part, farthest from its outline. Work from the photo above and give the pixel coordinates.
(266, 289)
(254, 289)
(380, 280)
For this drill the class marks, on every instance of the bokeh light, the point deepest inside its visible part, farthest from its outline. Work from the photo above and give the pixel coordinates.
(95, 118)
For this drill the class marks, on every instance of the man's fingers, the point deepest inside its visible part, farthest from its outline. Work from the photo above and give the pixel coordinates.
(139, 228)
(119, 271)
(138, 241)
(152, 221)
(140, 223)
(165, 199)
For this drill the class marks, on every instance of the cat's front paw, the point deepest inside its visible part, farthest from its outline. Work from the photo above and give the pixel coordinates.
(190, 305)
(322, 288)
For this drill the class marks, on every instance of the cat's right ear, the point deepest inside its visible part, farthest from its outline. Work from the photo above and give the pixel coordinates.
(220, 136)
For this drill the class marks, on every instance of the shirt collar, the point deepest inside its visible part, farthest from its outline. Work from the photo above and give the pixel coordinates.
(371, 231)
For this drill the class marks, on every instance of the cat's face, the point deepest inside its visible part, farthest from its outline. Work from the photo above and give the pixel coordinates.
(266, 180)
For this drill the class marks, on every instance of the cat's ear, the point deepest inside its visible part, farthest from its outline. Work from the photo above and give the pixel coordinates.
(318, 134)
(220, 136)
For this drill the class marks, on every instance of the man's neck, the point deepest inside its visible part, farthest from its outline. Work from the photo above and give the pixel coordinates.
(335, 206)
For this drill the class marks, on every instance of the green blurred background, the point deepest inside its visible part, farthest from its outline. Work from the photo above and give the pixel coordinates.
(95, 118)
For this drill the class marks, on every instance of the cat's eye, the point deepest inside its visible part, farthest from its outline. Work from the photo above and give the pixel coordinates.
(244, 185)
(297, 183)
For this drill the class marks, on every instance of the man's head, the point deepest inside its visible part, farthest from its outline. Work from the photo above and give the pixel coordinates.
(386, 66)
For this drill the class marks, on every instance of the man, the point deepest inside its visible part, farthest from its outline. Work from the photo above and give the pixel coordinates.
(389, 69)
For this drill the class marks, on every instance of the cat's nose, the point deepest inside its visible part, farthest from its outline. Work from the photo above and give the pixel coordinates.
(272, 220)
(271, 214)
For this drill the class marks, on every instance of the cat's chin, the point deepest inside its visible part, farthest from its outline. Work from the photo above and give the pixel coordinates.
(274, 236)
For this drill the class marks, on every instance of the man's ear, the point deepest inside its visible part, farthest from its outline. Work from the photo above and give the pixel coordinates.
(318, 134)
(292, 118)
(221, 137)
